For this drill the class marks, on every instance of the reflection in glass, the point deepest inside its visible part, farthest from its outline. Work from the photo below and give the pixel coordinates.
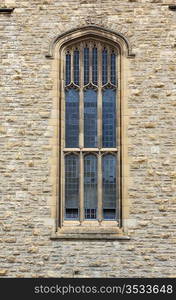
(76, 66)
(71, 186)
(90, 118)
(113, 68)
(104, 66)
(109, 118)
(68, 68)
(90, 186)
(86, 65)
(94, 66)
(109, 186)
(72, 118)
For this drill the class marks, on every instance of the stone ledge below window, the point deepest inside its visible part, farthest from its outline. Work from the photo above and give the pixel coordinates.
(89, 236)
(91, 231)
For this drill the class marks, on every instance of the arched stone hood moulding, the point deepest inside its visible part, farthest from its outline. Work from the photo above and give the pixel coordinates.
(118, 39)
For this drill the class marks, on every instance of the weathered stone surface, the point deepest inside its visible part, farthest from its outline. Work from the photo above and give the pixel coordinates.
(11, 259)
(3, 272)
(44, 114)
(33, 249)
(10, 240)
(27, 126)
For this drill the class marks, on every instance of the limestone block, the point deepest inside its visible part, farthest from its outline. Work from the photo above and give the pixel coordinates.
(33, 249)
(3, 272)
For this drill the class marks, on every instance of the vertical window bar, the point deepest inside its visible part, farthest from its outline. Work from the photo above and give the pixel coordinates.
(71, 186)
(68, 68)
(104, 66)
(90, 186)
(81, 105)
(81, 134)
(86, 65)
(90, 62)
(113, 68)
(76, 66)
(108, 65)
(94, 66)
(99, 58)
(72, 65)
(81, 187)
(99, 212)
(109, 187)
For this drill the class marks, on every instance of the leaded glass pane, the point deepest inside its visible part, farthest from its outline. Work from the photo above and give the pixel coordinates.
(109, 118)
(96, 110)
(68, 68)
(113, 68)
(90, 186)
(76, 66)
(72, 118)
(109, 186)
(104, 66)
(71, 186)
(94, 66)
(86, 65)
(90, 118)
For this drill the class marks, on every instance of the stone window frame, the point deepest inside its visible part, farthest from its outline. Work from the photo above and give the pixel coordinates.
(90, 231)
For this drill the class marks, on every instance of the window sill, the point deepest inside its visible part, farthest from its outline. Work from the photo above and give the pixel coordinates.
(88, 234)
(91, 236)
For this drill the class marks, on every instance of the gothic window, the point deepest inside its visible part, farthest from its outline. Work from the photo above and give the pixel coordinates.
(90, 147)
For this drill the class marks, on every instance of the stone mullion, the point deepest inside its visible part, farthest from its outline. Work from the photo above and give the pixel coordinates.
(81, 100)
(90, 62)
(72, 67)
(81, 133)
(108, 65)
(62, 132)
(63, 187)
(99, 53)
(118, 186)
(118, 139)
(118, 104)
(81, 187)
(99, 102)
(99, 187)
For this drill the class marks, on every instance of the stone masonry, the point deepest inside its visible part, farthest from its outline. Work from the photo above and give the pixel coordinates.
(26, 249)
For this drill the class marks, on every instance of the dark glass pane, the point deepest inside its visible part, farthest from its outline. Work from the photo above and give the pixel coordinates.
(113, 68)
(71, 213)
(104, 66)
(90, 186)
(109, 118)
(76, 66)
(72, 118)
(86, 65)
(109, 186)
(71, 186)
(68, 68)
(109, 214)
(94, 66)
(90, 118)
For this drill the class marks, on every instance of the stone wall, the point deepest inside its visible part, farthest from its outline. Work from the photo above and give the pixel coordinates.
(26, 249)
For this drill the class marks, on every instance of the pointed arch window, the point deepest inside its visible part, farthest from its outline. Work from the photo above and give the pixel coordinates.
(90, 135)
(89, 170)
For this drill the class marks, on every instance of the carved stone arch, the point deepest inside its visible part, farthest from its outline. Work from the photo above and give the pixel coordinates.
(118, 39)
